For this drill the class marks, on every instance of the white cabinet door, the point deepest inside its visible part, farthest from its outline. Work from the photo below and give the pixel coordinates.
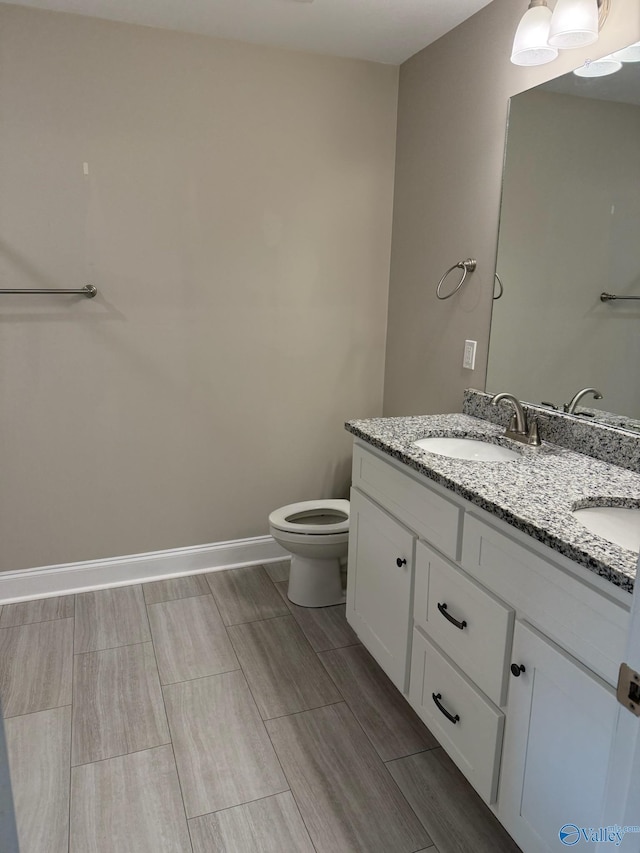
(379, 582)
(560, 725)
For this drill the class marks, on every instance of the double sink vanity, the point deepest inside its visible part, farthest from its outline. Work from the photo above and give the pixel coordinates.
(476, 581)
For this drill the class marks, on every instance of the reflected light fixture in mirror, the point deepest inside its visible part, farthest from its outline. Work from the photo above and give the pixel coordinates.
(599, 67)
(573, 23)
(628, 54)
(609, 64)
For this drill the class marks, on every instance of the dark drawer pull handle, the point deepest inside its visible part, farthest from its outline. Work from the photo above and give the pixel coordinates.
(400, 563)
(516, 669)
(450, 717)
(443, 609)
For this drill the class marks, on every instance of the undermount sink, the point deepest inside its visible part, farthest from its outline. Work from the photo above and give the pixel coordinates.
(472, 449)
(619, 525)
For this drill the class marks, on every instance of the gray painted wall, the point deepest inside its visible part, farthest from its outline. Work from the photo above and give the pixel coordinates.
(451, 131)
(236, 220)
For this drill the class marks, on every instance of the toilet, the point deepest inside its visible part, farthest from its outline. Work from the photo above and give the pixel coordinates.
(316, 534)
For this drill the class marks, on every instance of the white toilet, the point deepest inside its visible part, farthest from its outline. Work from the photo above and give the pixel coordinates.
(316, 533)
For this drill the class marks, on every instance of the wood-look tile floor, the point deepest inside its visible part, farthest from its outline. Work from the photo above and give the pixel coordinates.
(210, 715)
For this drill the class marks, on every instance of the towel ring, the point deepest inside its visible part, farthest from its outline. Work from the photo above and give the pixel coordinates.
(467, 266)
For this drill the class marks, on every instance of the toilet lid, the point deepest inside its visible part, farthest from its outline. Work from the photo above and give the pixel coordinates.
(319, 517)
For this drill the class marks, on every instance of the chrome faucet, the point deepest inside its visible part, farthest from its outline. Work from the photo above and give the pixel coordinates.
(518, 430)
(570, 408)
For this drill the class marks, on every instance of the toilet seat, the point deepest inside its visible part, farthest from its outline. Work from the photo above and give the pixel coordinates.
(291, 518)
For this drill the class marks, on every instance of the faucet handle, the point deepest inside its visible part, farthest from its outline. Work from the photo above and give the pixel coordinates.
(513, 423)
(534, 436)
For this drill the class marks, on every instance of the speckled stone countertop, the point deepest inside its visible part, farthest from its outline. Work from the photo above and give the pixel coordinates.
(535, 493)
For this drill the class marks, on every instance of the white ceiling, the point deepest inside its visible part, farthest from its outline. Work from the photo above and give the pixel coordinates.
(380, 30)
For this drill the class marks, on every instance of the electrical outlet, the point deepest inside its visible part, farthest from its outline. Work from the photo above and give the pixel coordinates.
(469, 358)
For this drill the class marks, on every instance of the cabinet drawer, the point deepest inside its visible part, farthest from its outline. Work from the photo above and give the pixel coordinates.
(428, 514)
(582, 620)
(474, 741)
(482, 646)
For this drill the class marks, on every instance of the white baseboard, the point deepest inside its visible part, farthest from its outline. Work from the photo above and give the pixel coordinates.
(47, 581)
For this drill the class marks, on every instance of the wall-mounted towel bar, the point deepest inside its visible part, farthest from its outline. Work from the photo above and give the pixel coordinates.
(88, 290)
(609, 297)
(466, 266)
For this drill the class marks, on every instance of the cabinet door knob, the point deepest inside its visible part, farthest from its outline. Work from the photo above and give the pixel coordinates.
(516, 669)
(400, 563)
(443, 609)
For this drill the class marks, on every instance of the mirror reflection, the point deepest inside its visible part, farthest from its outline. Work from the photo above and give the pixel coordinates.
(569, 231)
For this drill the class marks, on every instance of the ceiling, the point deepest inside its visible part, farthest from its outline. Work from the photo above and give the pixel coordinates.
(380, 30)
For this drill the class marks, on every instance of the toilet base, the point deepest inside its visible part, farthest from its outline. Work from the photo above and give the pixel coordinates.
(315, 583)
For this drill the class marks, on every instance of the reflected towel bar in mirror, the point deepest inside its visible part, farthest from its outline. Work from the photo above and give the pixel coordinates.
(609, 297)
(88, 290)
(466, 266)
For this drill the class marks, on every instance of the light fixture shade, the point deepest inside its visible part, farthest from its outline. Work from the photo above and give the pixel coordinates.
(530, 45)
(574, 24)
(599, 67)
(628, 54)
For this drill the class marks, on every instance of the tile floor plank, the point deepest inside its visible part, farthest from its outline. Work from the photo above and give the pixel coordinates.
(284, 674)
(109, 618)
(271, 825)
(392, 725)
(278, 572)
(173, 588)
(39, 747)
(222, 750)
(40, 610)
(129, 804)
(324, 627)
(455, 817)
(117, 703)
(245, 595)
(346, 797)
(190, 639)
(36, 663)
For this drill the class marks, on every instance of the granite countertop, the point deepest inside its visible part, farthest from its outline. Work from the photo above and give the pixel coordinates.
(535, 493)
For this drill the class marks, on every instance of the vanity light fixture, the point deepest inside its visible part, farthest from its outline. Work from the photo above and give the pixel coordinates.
(573, 23)
(531, 43)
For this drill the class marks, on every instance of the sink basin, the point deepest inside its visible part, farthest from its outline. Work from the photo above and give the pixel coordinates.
(616, 524)
(471, 449)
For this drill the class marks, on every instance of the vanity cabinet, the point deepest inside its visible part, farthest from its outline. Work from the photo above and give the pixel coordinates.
(474, 598)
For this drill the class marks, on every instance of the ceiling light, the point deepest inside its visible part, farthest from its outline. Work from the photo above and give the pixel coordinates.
(574, 23)
(530, 46)
(599, 67)
(628, 54)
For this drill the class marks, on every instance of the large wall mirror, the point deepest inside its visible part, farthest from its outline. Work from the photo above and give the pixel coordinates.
(569, 231)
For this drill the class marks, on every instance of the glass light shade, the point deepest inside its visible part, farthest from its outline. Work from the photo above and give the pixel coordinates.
(574, 24)
(628, 54)
(530, 45)
(599, 67)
